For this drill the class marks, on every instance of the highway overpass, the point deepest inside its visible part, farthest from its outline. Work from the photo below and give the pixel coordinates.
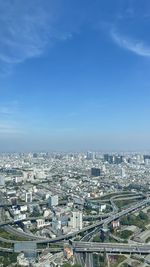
(80, 247)
(93, 226)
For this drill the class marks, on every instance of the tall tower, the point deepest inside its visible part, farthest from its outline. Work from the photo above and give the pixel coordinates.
(28, 197)
(76, 220)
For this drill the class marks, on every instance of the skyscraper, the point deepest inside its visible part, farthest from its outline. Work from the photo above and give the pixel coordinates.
(2, 181)
(76, 220)
(90, 155)
(95, 172)
(28, 197)
(53, 200)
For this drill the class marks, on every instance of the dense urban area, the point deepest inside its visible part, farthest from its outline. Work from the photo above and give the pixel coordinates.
(75, 209)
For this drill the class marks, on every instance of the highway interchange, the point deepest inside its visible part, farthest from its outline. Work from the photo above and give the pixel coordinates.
(85, 246)
(93, 226)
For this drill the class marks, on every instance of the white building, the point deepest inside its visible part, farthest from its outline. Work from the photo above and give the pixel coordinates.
(19, 217)
(18, 179)
(47, 213)
(35, 189)
(76, 220)
(40, 223)
(23, 208)
(28, 197)
(22, 261)
(123, 173)
(102, 207)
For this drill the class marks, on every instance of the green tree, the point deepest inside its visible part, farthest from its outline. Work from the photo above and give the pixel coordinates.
(69, 265)
(143, 216)
(97, 239)
(125, 234)
(124, 220)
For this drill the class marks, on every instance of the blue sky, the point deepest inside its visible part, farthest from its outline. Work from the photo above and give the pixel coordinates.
(74, 75)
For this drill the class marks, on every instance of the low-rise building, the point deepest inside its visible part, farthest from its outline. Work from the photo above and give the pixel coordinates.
(40, 223)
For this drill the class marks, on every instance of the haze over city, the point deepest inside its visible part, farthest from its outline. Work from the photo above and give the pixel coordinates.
(74, 75)
(74, 133)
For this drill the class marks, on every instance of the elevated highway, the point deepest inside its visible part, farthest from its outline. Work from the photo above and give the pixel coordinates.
(110, 247)
(100, 223)
(87, 247)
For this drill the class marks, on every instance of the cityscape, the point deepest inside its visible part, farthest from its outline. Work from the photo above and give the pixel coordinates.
(74, 209)
(74, 133)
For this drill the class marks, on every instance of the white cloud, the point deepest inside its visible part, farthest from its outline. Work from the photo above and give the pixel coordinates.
(26, 28)
(135, 46)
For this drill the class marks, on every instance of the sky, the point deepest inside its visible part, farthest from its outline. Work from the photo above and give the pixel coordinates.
(74, 75)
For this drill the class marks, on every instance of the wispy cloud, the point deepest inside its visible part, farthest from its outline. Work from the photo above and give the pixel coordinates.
(27, 28)
(136, 46)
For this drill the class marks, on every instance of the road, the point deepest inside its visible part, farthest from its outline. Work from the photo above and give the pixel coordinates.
(112, 216)
(82, 247)
(88, 262)
(85, 246)
(93, 226)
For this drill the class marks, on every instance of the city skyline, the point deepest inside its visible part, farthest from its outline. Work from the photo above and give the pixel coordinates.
(74, 75)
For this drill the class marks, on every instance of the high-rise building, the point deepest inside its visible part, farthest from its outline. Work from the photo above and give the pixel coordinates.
(76, 220)
(95, 172)
(146, 157)
(56, 223)
(90, 155)
(28, 197)
(147, 162)
(53, 201)
(118, 159)
(109, 158)
(106, 157)
(113, 159)
(2, 181)
(103, 169)
(123, 173)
